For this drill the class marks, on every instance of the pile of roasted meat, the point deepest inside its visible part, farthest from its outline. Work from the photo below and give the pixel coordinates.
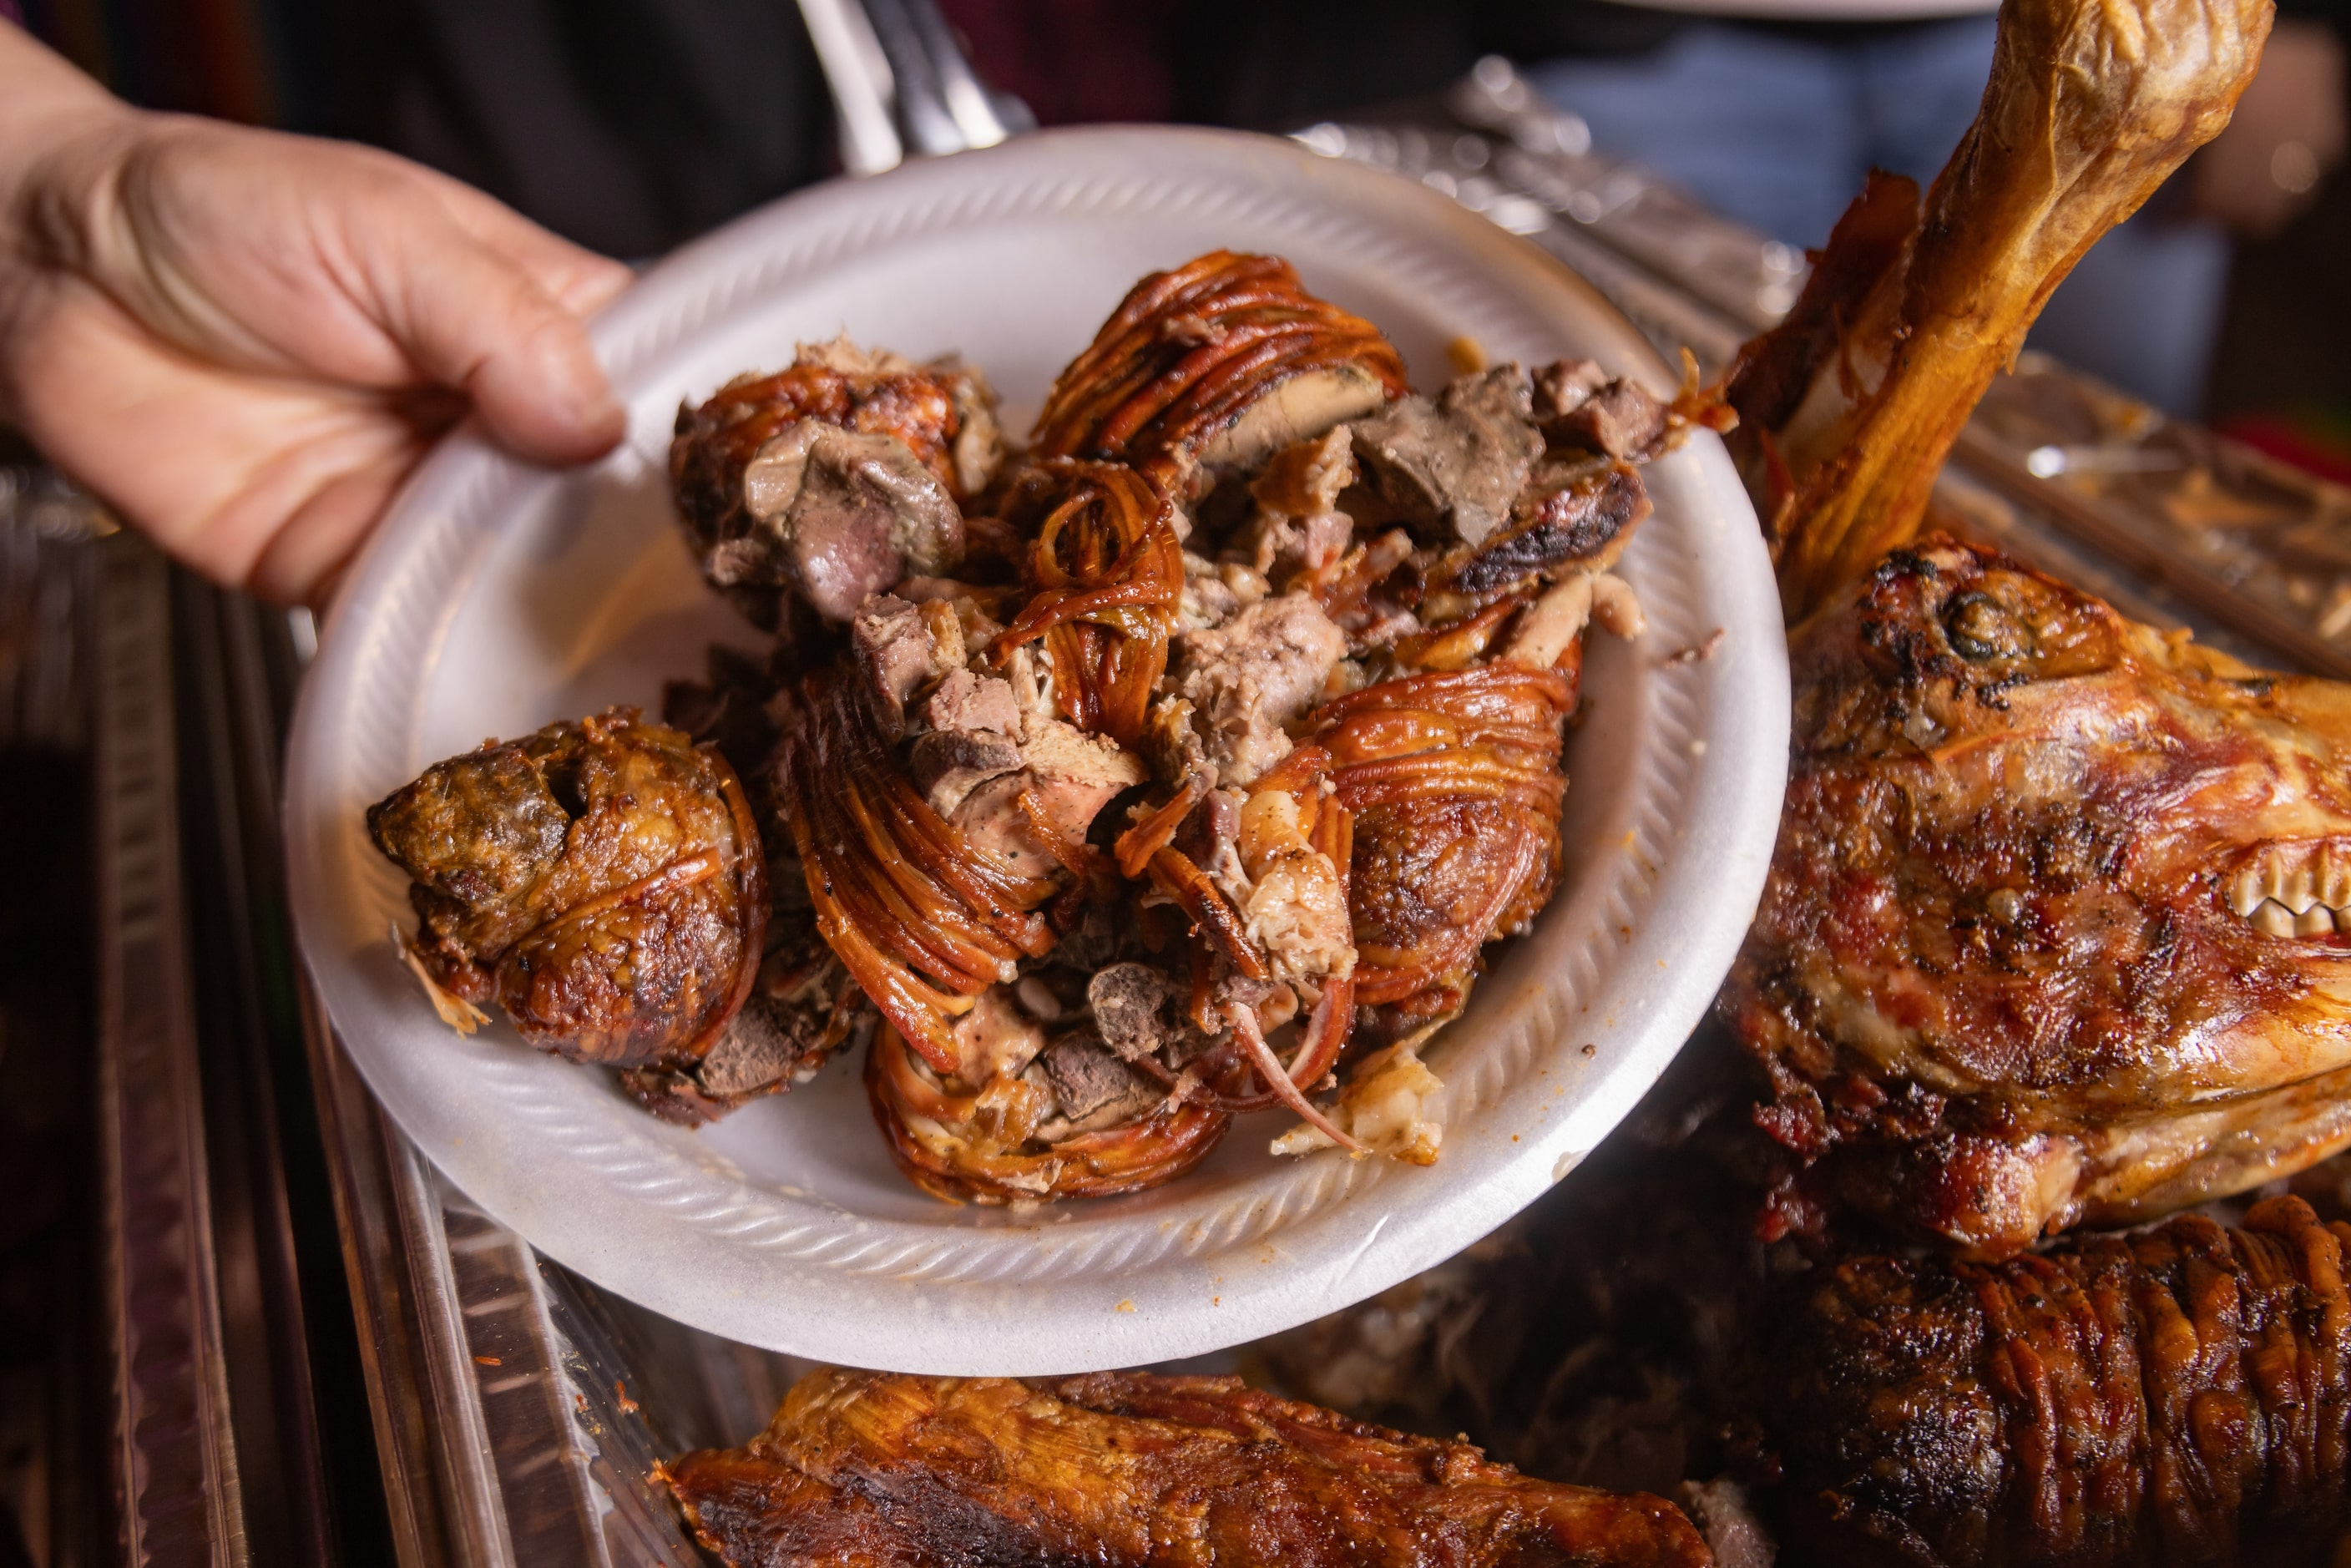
(1178, 764)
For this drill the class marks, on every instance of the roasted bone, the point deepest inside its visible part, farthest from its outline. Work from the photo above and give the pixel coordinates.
(1848, 408)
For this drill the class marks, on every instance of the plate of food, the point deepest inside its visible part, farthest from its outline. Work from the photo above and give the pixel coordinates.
(1150, 734)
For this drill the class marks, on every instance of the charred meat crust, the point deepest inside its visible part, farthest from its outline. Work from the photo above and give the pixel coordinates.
(2174, 1396)
(1128, 1470)
(1582, 517)
(601, 881)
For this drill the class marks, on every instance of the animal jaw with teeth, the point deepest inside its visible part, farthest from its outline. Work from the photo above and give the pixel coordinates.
(2050, 885)
(2294, 889)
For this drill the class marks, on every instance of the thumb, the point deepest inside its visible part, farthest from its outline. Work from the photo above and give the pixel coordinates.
(472, 317)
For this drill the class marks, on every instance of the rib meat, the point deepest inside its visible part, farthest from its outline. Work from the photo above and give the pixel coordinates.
(1125, 1470)
(2179, 1395)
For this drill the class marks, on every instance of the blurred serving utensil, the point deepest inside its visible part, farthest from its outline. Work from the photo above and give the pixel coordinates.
(901, 83)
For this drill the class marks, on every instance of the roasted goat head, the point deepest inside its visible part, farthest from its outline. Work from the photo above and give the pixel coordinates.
(2017, 964)
(603, 881)
(1127, 1471)
(2050, 935)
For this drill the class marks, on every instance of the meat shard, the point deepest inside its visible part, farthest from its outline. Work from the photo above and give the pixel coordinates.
(1128, 1470)
(1459, 462)
(1248, 677)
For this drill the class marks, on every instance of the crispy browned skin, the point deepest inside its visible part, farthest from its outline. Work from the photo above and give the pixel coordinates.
(980, 1145)
(603, 881)
(1849, 407)
(2179, 1395)
(716, 438)
(1189, 352)
(2000, 975)
(1456, 785)
(1125, 1470)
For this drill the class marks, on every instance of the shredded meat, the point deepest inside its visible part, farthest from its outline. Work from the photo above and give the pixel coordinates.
(1295, 908)
(1066, 776)
(973, 721)
(1563, 386)
(997, 1038)
(1089, 1079)
(1133, 1009)
(900, 646)
(1619, 419)
(1248, 677)
(1459, 461)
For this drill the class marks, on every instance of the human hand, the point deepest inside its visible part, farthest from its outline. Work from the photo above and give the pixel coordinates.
(244, 340)
(2288, 133)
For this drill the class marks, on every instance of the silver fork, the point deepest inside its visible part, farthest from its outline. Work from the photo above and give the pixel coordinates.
(900, 82)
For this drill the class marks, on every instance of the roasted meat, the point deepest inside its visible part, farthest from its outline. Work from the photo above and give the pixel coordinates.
(1455, 783)
(2175, 1396)
(1134, 1471)
(1848, 406)
(601, 881)
(1211, 369)
(2000, 978)
(2048, 935)
(1074, 1121)
(1057, 767)
(1103, 571)
(834, 478)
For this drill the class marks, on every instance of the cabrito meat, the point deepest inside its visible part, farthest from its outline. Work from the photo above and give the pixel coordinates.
(1128, 1470)
(1245, 682)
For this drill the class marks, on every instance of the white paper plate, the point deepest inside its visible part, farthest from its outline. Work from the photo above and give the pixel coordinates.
(499, 596)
